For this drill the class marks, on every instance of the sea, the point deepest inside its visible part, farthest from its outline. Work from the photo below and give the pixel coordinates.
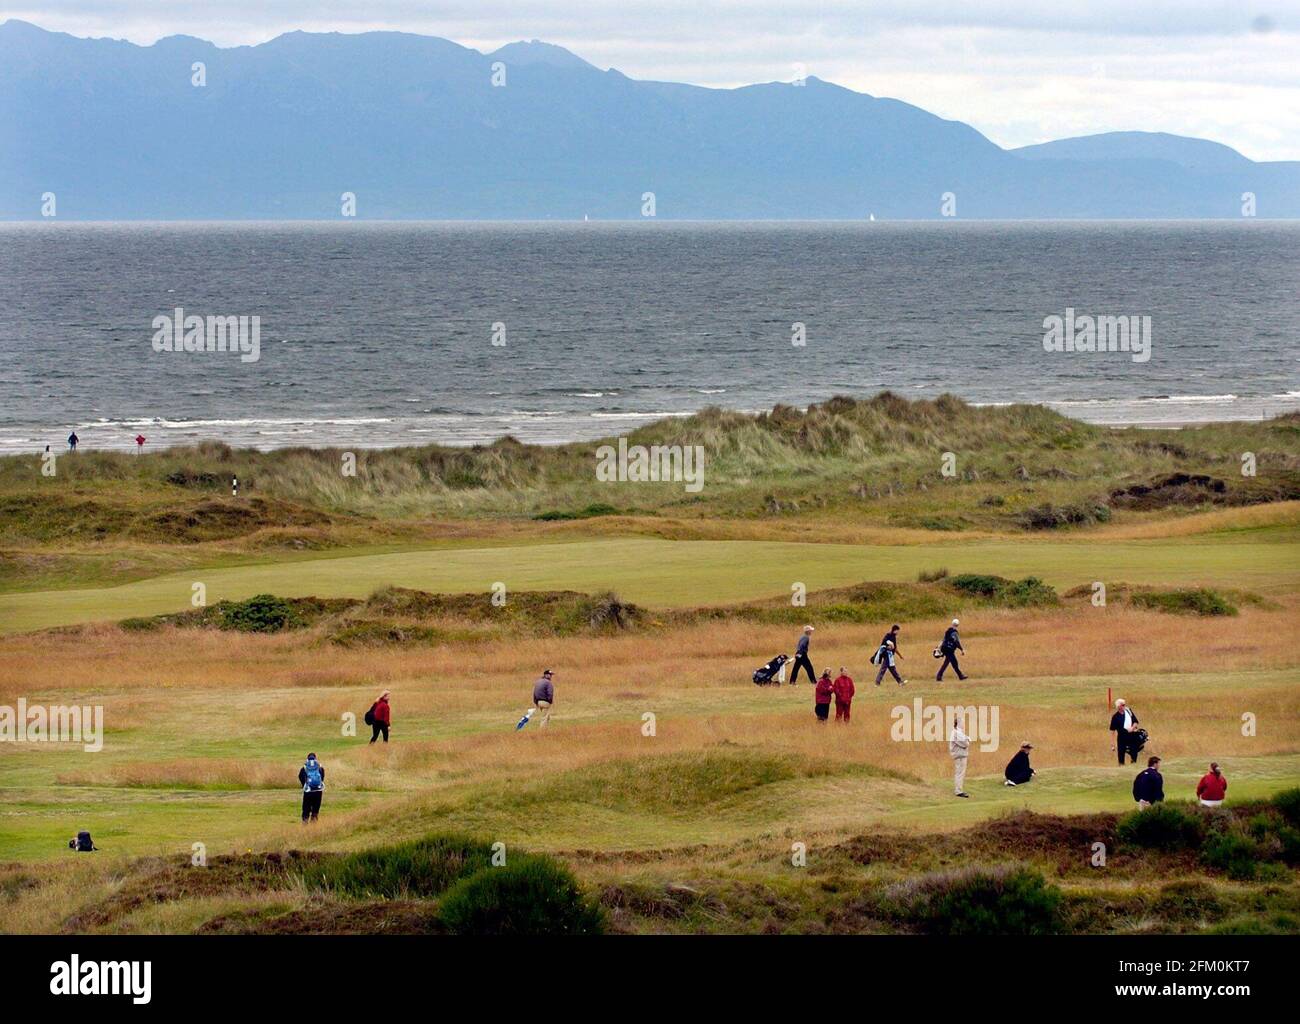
(377, 334)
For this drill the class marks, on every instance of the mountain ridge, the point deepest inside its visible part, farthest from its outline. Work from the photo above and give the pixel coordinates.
(414, 126)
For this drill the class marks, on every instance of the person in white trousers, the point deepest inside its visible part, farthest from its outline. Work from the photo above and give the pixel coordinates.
(959, 751)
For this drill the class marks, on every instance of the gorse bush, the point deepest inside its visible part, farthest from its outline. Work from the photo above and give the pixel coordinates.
(419, 868)
(1233, 852)
(984, 902)
(263, 613)
(1027, 592)
(1185, 602)
(1288, 804)
(526, 896)
(1162, 827)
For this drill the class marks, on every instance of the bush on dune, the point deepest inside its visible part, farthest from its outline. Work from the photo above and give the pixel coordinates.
(526, 896)
(419, 868)
(1162, 827)
(1007, 901)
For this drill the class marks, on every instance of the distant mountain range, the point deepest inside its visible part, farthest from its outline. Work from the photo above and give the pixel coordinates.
(415, 127)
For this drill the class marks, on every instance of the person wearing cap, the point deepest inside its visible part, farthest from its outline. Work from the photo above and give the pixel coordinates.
(959, 751)
(382, 718)
(885, 655)
(1018, 771)
(544, 697)
(1123, 723)
(801, 657)
(311, 776)
(822, 697)
(1149, 786)
(948, 647)
(1213, 787)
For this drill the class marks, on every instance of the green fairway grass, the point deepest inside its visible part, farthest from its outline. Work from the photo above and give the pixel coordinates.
(661, 573)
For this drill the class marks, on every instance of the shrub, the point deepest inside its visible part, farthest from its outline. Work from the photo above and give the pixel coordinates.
(1184, 602)
(1016, 593)
(1232, 852)
(263, 613)
(1052, 517)
(596, 508)
(932, 577)
(983, 902)
(419, 868)
(1162, 827)
(1288, 804)
(527, 896)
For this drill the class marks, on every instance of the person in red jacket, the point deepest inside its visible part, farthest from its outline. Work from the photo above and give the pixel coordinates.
(383, 718)
(1212, 788)
(843, 687)
(822, 697)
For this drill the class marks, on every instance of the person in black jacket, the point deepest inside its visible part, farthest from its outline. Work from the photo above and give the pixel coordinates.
(885, 655)
(1123, 723)
(801, 659)
(1149, 786)
(948, 647)
(1018, 771)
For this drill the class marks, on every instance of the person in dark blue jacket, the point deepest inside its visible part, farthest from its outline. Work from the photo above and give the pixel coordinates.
(948, 647)
(1149, 786)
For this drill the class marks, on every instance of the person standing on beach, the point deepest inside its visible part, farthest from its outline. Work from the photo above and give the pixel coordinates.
(948, 647)
(381, 718)
(885, 655)
(801, 658)
(822, 697)
(139, 443)
(544, 697)
(73, 439)
(311, 776)
(959, 751)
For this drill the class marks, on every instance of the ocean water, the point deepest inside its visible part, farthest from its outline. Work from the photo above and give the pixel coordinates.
(383, 333)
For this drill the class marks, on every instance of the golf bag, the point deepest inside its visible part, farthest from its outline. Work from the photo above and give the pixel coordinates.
(82, 843)
(1140, 737)
(767, 675)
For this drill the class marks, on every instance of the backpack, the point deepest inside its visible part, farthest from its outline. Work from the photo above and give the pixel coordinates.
(370, 715)
(84, 843)
(315, 777)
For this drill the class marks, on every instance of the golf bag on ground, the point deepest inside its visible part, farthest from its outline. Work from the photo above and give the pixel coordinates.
(769, 673)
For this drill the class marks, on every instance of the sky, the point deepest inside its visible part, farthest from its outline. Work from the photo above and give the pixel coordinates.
(1020, 72)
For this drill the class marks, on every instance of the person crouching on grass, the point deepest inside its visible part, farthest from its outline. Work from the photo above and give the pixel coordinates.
(844, 691)
(822, 697)
(1018, 771)
(382, 716)
(311, 776)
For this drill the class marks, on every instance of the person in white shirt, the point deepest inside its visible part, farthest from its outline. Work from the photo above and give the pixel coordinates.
(959, 751)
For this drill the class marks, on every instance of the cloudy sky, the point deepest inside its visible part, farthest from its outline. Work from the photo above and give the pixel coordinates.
(1021, 71)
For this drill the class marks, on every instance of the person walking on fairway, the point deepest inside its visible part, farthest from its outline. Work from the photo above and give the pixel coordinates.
(822, 697)
(381, 718)
(1123, 723)
(544, 697)
(311, 776)
(1018, 771)
(1213, 787)
(1149, 786)
(948, 647)
(801, 657)
(885, 655)
(959, 751)
(844, 691)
